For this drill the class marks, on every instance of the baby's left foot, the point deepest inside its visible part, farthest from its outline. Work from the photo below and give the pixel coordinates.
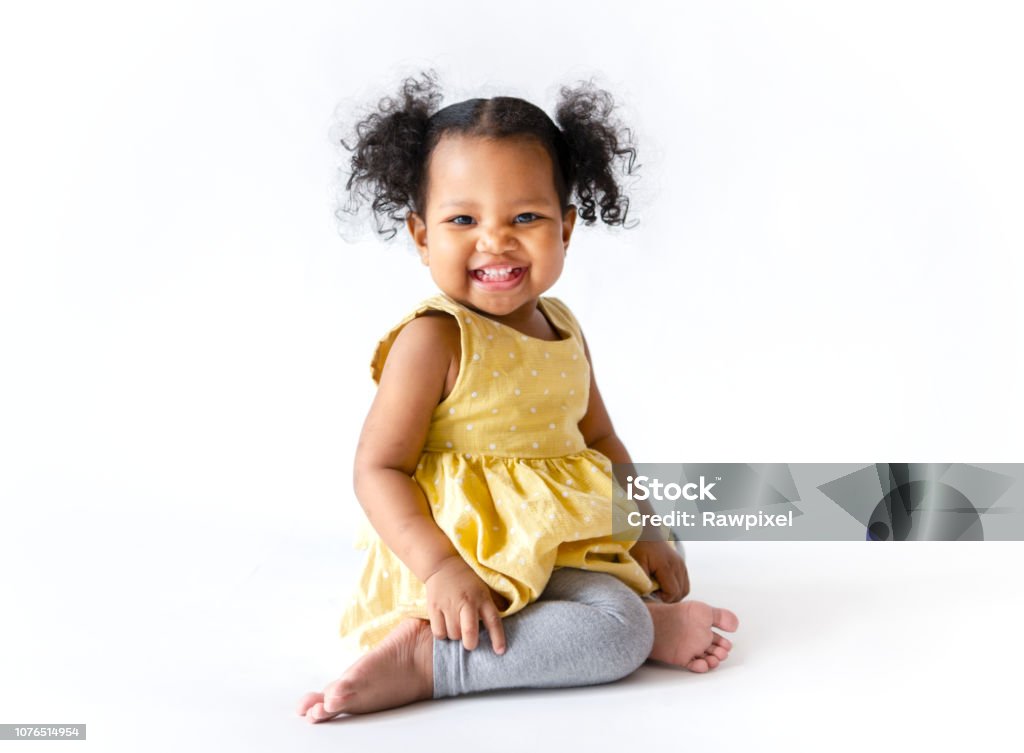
(683, 634)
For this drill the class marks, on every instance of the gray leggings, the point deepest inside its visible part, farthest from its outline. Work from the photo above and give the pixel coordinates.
(586, 628)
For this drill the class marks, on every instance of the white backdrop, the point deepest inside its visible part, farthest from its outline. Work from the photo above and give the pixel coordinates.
(827, 267)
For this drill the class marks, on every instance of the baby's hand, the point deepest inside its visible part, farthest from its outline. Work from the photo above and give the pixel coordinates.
(457, 599)
(662, 562)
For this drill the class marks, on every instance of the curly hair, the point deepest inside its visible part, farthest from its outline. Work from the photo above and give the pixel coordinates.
(392, 145)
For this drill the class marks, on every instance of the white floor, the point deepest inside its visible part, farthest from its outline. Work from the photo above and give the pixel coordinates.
(180, 641)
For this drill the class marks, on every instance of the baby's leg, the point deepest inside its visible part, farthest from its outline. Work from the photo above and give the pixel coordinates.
(586, 628)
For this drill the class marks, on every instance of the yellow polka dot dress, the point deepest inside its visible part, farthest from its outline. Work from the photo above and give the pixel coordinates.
(506, 472)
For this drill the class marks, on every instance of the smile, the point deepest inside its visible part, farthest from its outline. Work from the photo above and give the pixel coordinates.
(497, 274)
(498, 277)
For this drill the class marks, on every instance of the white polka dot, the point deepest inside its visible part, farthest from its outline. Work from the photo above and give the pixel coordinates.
(494, 410)
(518, 391)
(563, 374)
(551, 516)
(533, 372)
(461, 480)
(451, 411)
(535, 445)
(492, 445)
(469, 427)
(494, 373)
(576, 535)
(386, 574)
(568, 442)
(494, 528)
(466, 455)
(522, 561)
(468, 320)
(574, 356)
(490, 337)
(522, 505)
(572, 392)
(551, 426)
(512, 530)
(524, 338)
(586, 519)
(547, 355)
(476, 356)
(565, 494)
(512, 427)
(473, 393)
(447, 444)
(533, 409)
(546, 391)
(568, 482)
(419, 466)
(511, 355)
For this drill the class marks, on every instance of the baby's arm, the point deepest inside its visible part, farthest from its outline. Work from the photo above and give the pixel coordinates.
(657, 558)
(392, 439)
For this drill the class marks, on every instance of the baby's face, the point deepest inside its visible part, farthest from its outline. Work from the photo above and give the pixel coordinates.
(492, 204)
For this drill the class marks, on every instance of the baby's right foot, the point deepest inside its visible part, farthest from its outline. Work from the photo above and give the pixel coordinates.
(683, 634)
(398, 671)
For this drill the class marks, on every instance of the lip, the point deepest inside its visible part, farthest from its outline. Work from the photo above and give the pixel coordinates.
(496, 285)
(498, 265)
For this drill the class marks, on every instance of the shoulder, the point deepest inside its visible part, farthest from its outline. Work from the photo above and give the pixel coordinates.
(427, 336)
(430, 330)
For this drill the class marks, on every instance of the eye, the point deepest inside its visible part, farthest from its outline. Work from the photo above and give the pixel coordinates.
(455, 220)
(531, 215)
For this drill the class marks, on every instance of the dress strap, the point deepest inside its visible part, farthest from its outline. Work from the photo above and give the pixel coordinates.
(380, 353)
(562, 317)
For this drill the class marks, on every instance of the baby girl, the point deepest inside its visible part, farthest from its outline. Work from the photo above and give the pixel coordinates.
(484, 465)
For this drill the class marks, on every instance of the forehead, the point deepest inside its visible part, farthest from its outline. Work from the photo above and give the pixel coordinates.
(461, 164)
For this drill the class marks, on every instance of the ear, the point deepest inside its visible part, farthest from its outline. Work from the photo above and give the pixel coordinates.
(568, 223)
(418, 231)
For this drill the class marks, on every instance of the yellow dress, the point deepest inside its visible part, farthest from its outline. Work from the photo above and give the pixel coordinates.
(506, 472)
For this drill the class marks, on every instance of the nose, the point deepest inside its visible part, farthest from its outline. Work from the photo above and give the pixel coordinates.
(495, 239)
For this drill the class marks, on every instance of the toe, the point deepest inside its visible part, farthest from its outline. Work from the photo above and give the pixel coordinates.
(726, 620)
(334, 701)
(718, 652)
(722, 641)
(697, 665)
(336, 694)
(711, 660)
(315, 712)
(306, 701)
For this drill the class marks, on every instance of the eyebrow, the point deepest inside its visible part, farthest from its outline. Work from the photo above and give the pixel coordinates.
(469, 203)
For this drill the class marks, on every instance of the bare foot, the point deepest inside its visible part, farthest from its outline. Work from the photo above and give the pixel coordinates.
(398, 671)
(683, 634)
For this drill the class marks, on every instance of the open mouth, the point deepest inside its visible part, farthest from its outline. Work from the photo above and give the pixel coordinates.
(498, 274)
(499, 277)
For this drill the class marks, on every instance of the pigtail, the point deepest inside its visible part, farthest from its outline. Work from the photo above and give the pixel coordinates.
(385, 169)
(596, 141)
